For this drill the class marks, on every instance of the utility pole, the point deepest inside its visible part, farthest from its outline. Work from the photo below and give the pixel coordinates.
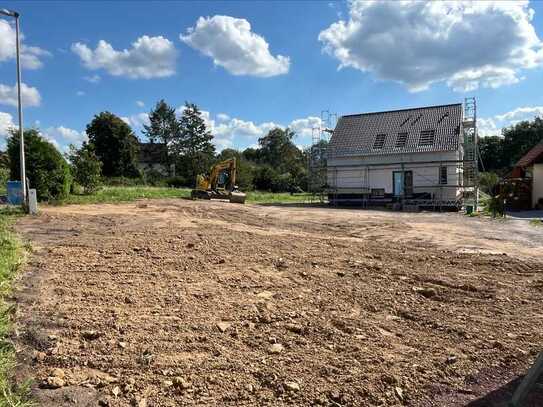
(15, 15)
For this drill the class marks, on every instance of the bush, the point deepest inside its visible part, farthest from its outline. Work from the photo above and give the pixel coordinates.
(154, 178)
(86, 168)
(48, 172)
(122, 181)
(177, 182)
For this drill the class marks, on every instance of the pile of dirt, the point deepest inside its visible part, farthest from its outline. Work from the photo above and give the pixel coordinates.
(180, 302)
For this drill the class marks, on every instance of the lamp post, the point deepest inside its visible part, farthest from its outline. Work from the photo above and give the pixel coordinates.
(15, 15)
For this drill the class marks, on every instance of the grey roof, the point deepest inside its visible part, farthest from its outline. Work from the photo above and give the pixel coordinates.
(356, 134)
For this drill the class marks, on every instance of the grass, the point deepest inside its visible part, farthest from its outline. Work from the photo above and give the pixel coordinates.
(11, 258)
(536, 222)
(125, 194)
(113, 194)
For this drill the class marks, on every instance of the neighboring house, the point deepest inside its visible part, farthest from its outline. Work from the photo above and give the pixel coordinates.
(530, 169)
(404, 157)
(152, 157)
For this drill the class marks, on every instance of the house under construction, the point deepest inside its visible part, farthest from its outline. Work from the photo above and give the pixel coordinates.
(411, 158)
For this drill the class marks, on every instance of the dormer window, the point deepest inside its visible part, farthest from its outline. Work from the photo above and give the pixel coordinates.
(427, 138)
(401, 140)
(379, 142)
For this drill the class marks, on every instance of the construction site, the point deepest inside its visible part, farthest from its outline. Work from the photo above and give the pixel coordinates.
(179, 302)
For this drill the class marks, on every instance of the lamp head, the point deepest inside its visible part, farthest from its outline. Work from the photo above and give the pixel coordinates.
(9, 13)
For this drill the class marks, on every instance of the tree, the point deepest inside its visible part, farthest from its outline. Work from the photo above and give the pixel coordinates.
(47, 171)
(491, 152)
(86, 167)
(194, 149)
(114, 144)
(164, 127)
(520, 138)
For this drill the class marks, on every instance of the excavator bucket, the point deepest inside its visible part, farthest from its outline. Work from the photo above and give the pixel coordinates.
(237, 197)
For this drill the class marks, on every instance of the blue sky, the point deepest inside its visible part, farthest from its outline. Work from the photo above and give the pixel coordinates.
(255, 65)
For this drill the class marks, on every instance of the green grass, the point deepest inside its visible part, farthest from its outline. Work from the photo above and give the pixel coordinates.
(11, 258)
(536, 222)
(125, 194)
(111, 194)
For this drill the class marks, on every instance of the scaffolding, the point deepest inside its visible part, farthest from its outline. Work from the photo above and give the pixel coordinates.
(316, 162)
(428, 194)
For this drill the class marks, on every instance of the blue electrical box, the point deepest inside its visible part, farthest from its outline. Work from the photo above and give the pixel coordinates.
(15, 193)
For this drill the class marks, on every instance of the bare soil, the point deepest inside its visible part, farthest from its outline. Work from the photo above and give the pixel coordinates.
(175, 302)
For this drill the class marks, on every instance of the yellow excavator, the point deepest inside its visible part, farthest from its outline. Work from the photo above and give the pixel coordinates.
(219, 184)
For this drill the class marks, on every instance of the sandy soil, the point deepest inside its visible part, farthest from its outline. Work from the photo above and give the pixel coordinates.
(174, 302)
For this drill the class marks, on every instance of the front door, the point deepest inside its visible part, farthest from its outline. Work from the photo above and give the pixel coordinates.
(398, 183)
(402, 183)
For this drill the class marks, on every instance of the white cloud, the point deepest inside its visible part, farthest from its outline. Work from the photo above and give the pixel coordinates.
(80, 93)
(492, 126)
(30, 56)
(149, 57)
(232, 45)
(222, 117)
(6, 124)
(30, 95)
(304, 127)
(136, 121)
(62, 137)
(92, 78)
(139, 103)
(467, 44)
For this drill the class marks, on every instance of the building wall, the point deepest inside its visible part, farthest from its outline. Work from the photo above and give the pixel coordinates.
(537, 189)
(358, 175)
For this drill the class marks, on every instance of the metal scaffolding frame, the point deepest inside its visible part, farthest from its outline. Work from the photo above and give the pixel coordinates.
(466, 169)
(317, 163)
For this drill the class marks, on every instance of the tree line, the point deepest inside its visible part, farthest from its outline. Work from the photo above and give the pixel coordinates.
(111, 155)
(500, 153)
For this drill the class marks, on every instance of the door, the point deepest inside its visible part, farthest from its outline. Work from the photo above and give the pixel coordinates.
(398, 183)
(402, 182)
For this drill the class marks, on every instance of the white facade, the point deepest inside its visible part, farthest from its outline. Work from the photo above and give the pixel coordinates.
(361, 175)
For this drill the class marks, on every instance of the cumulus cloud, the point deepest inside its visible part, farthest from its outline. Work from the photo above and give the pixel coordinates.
(30, 96)
(466, 44)
(30, 56)
(232, 45)
(492, 126)
(61, 137)
(6, 124)
(136, 121)
(149, 57)
(139, 103)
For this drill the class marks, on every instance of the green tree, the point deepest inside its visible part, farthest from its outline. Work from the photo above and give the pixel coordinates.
(47, 170)
(86, 167)
(279, 152)
(115, 145)
(491, 153)
(194, 149)
(520, 138)
(163, 125)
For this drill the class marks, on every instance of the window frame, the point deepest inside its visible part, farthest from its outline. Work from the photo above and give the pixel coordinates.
(381, 144)
(423, 136)
(443, 175)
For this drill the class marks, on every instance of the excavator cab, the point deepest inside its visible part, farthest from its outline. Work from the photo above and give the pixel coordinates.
(219, 184)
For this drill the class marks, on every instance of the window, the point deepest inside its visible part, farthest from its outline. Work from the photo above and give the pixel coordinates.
(379, 142)
(401, 140)
(443, 175)
(427, 138)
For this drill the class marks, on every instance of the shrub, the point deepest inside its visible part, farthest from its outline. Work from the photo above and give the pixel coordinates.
(48, 172)
(86, 168)
(154, 178)
(123, 181)
(177, 182)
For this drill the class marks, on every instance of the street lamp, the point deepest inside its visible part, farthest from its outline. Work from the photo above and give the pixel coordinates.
(14, 14)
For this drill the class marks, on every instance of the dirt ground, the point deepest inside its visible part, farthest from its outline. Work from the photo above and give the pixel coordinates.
(175, 302)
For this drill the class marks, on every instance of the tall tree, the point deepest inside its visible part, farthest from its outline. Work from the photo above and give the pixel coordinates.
(163, 127)
(114, 144)
(520, 138)
(491, 152)
(194, 147)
